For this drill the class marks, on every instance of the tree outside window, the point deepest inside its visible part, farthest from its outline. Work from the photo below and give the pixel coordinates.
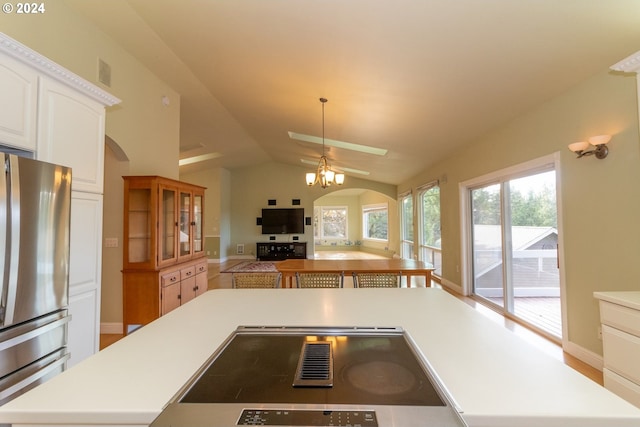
(375, 222)
(330, 222)
(406, 226)
(431, 217)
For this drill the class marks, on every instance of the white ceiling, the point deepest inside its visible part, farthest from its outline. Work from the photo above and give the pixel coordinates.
(420, 78)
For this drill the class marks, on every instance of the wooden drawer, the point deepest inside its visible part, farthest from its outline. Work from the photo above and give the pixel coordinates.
(623, 318)
(201, 267)
(187, 272)
(622, 387)
(170, 278)
(621, 353)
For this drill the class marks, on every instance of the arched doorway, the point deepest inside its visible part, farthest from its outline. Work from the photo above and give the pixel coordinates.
(355, 223)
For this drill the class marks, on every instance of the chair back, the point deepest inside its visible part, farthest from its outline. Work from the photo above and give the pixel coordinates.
(320, 280)
(255, 280)
(376, 280)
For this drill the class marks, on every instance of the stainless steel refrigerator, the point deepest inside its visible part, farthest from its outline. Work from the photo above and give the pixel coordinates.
(35, 206)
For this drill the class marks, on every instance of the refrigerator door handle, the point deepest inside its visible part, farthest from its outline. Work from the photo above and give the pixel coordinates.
(12, 342)
(26, 382)
(3, 235)
(14, 226)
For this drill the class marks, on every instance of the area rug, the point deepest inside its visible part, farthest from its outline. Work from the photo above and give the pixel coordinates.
(252, 267)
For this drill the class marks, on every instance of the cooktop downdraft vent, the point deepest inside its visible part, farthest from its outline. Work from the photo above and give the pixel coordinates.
(315, 365)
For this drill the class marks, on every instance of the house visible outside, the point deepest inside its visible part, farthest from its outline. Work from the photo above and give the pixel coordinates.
(535, 272)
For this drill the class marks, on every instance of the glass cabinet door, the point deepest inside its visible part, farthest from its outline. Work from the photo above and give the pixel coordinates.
(197, 223)
(139, 234)
(185, 224)
(168, 223)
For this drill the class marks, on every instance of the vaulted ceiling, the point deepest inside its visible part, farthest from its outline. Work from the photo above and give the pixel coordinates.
(420, 78)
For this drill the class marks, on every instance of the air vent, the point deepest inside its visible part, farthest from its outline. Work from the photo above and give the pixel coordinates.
(104, 73)
(315, 365)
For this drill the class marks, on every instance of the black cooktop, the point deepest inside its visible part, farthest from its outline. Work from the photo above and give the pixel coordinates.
(380, 369)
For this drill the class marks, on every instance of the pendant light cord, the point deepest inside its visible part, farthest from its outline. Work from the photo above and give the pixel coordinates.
(323, 100)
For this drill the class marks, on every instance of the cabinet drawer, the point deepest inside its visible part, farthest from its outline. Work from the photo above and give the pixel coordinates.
(185, 273)
(624, 388)
(201, 268)
(170, 278)
(621, 353)
(623, 318)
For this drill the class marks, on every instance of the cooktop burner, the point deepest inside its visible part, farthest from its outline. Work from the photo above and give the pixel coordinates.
(259, 368)
(316, 376)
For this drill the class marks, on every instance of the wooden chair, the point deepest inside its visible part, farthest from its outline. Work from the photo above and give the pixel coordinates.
(376, 280)
(255, 280)
(320, 280)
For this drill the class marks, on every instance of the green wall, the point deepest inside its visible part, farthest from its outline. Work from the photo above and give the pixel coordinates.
(354, 204)
(600, 198)
(252, 187)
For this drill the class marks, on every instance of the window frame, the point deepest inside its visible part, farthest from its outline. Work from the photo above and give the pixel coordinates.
(423, 247)
(319, 223)
(407, 247)
(370, 208)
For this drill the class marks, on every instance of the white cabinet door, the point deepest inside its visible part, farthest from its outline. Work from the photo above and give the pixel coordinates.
(85, 275)
(83, 340)
(18, 108)
(71, 133)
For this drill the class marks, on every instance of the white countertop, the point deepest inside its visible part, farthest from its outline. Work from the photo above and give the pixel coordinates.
(629, 299)
(495, 377)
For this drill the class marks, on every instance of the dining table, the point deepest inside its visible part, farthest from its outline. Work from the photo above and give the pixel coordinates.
(404, 267)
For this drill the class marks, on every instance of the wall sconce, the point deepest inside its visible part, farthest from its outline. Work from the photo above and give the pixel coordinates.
(600, 142)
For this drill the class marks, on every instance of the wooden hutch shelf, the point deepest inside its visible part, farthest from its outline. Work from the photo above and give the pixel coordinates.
(164, 264)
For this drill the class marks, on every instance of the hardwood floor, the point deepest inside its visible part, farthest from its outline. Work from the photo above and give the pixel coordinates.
(543, 343)
(222, 281)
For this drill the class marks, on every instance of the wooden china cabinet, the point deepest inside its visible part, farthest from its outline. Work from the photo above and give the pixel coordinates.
(164, 264)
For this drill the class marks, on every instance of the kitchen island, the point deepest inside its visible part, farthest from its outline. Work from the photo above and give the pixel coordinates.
(495, 377)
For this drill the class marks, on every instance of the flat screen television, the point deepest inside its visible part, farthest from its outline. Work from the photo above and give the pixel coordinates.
(283, 221)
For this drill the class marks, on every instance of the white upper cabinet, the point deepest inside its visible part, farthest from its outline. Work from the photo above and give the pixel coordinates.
(48, 110)
(71, 133)
(19, 89)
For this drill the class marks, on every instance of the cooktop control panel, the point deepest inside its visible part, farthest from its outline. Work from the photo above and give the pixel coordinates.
(295, 417)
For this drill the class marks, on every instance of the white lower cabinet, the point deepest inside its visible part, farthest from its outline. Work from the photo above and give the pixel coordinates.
(620, 318)
(621, 386)
(84, 339)
(85, 270)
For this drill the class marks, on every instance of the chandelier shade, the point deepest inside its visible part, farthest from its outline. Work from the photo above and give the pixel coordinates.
(324, 175)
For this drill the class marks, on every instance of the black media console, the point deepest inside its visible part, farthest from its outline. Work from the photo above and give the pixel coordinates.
(273, 251)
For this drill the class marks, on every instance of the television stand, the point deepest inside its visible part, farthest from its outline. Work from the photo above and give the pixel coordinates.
(277, 251)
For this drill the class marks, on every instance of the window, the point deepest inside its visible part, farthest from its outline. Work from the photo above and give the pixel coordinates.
(512, 241)
(330, 222)
(430, 239)
(375, 222)
(406, 226)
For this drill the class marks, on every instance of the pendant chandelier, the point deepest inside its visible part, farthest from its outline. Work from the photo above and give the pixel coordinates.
(324, 175)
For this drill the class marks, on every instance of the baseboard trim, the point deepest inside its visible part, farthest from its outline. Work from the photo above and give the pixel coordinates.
(587, 356)
(451, 285)
(111, 328)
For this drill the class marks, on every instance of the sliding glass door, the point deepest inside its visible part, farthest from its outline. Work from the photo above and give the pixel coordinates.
(488, 280)
(514, 248)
